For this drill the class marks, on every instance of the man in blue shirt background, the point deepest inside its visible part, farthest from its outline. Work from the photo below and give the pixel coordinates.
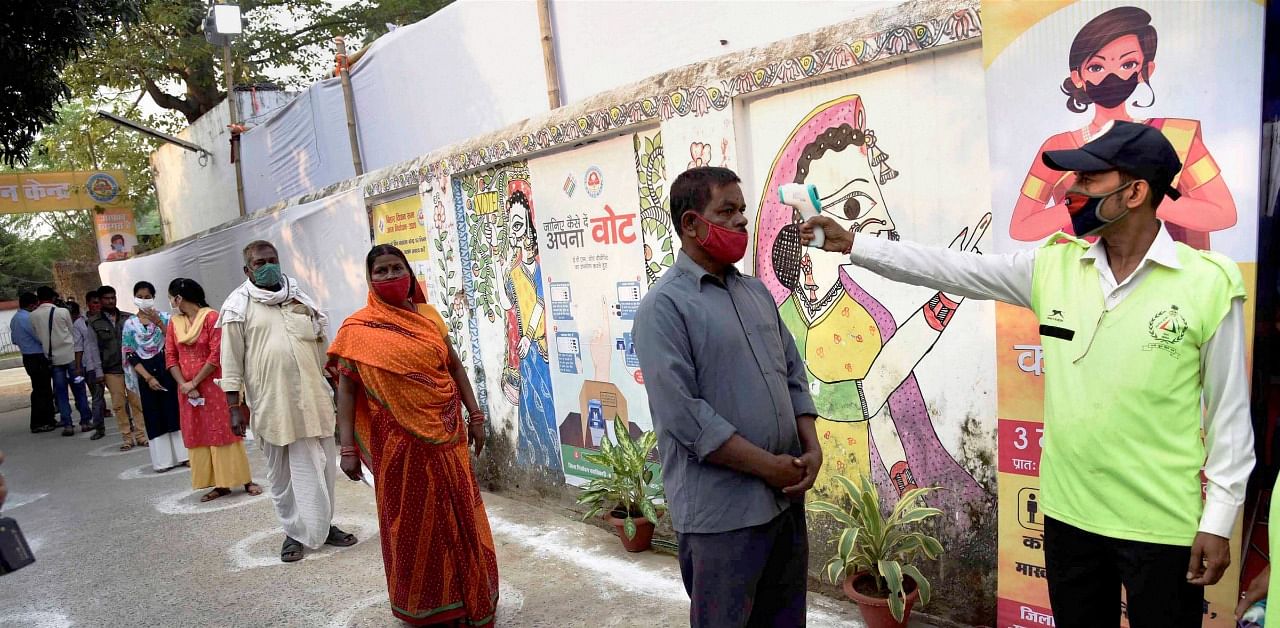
(35, 363)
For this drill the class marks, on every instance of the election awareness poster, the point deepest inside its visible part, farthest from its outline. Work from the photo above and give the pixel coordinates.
(593, 276)
(1056, 74)
(400, 222)
(116, 234)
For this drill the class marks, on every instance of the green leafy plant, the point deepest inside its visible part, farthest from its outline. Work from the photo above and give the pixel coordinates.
(628, 487)
(880, 546)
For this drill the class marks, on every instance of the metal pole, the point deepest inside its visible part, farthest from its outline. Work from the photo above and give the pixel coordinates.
(348, 98)
(233, 109)
(549, 54)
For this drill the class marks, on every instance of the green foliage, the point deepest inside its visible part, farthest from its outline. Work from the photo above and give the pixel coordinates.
(76, 140)
(40, 38)
(629, 485)
(882, 546)
(165, 54)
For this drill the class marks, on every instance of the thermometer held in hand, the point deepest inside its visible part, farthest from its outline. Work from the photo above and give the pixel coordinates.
(803, 197)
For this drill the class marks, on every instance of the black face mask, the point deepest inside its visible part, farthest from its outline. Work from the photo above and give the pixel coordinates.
(1112, 91)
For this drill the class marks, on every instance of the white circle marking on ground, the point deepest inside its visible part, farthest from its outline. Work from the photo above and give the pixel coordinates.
(113, 449)
(145, 471)
(510, 603)
(348, 615)
(244, 557)
(17, 500)
(187, 502)
(35, 619)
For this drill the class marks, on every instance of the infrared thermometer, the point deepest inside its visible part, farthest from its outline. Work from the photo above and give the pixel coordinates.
(803, 197)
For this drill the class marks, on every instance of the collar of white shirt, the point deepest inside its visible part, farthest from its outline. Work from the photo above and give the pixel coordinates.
(1163, 251)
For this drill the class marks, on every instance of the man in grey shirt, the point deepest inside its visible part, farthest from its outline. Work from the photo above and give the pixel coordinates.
(730, 402)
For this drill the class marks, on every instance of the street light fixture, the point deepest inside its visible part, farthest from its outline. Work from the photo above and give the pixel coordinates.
(221, 26)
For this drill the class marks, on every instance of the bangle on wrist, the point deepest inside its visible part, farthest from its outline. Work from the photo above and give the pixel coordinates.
(350, 450)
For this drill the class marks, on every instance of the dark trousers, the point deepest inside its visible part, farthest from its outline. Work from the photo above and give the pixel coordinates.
(98, 403)
(41, 373)
(1086, 572)
(753, 577)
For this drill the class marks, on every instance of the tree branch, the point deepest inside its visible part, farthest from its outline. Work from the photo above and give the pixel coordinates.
(167, 101)
(318, 25)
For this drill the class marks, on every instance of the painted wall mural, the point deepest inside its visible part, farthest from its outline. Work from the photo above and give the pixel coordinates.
(443, 278)
(504, 271)
(700, 100)
(660, 242)
(862, 341)
(1091, 63)
(594, 273)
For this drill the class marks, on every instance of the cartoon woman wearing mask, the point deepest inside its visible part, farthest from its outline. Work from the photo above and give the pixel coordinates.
(1110, 57)
(119, 250)
(860, 360)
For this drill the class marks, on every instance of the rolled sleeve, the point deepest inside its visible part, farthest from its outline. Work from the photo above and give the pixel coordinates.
(662, 344)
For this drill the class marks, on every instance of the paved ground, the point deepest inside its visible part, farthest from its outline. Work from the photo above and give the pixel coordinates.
(119, 545)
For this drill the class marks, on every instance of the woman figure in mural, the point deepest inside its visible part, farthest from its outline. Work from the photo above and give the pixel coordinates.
(860, 359)
(1109, 59)
(526, 378)
(402, 390)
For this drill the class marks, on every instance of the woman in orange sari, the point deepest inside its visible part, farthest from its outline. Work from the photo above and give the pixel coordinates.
(401, 390)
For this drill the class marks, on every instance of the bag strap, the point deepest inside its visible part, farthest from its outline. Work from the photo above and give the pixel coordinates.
(52, 311)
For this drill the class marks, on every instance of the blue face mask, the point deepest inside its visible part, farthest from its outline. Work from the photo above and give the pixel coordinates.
(267, 276)
(1083, 207)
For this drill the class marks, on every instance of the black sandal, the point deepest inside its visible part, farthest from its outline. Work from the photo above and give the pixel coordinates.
(215, 494)
(338, 538)
(291, 552)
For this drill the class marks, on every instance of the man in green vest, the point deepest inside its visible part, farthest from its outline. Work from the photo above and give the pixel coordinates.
(1143, 344)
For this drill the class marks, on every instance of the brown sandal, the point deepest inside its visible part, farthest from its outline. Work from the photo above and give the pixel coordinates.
(252, 488)
(215, 494)
(126, 447)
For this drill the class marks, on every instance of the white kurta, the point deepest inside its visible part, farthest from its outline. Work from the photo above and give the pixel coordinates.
(275, 360)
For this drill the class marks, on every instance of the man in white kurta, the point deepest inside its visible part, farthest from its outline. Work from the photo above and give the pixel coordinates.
(273, 357)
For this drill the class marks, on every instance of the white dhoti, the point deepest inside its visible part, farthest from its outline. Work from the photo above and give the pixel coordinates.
(302, 476)
(167, 451)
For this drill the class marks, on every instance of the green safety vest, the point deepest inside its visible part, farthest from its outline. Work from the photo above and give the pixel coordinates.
(1122, 441)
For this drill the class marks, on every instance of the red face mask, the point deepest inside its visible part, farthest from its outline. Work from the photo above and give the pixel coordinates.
(723, 245)
(394, 291)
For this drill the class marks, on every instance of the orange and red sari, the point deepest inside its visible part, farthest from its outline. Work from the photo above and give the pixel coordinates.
(436, 544)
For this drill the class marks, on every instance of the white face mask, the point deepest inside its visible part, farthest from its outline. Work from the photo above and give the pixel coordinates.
(144, 304)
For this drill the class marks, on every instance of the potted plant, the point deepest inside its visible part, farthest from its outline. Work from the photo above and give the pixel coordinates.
(627, 490)
(874, 552)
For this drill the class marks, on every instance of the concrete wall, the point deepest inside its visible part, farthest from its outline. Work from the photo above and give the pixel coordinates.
(198, 192)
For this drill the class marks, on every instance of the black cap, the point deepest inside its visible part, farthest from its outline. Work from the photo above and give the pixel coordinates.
(1133, 148)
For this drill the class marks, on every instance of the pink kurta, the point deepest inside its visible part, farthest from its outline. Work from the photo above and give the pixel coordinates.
(208, 425)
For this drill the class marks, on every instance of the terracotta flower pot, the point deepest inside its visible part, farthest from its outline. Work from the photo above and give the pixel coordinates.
(875, 610)
(643, 539)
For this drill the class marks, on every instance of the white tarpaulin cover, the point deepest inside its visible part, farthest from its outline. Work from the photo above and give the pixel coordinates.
(471, 68)
(322, 244)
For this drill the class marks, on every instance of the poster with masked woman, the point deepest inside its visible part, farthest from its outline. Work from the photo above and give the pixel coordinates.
(1058, 75)
(117, 234)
